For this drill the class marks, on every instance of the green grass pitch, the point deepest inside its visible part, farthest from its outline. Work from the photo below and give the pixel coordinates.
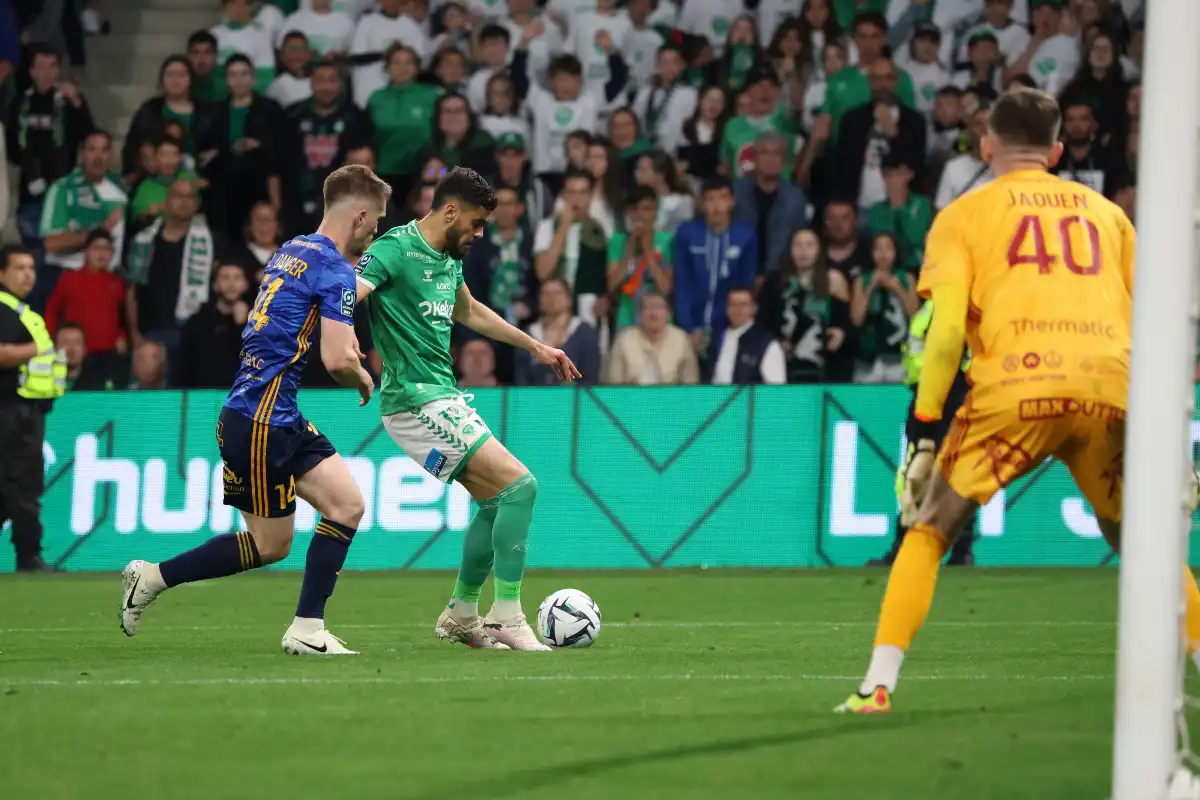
(714, 684)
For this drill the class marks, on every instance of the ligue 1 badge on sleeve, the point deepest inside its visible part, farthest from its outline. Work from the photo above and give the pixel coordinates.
(362, 262)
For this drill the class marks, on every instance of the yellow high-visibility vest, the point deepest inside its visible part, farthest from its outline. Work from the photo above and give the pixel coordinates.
(43, 377)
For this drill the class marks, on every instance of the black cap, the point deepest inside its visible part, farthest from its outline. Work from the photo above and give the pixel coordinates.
(928, 30)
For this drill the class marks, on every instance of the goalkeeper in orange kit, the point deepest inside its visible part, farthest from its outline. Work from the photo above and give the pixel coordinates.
(1035, 275)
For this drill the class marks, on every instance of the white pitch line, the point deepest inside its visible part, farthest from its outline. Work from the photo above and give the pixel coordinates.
(419, 679)
(646, 624)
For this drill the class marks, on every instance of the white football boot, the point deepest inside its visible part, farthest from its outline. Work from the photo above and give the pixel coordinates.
(142, 586)
(467, 630)
(515, 633)
(300, 640)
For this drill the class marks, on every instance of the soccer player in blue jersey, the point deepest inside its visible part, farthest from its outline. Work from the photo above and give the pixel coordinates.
(272, 454)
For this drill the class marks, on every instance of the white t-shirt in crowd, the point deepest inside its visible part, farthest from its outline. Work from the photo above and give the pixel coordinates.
(1012, 40)
(326, 33)
(1054, 63)
(489, 10)
(962, 174)
(249, 41)
(581, 42)
(288, 89)
(547, 45)
(497, 126)
(375, 34)
(544, 235)
(269, 20)
(773, 365)
(677, 106)
(351, 8)
(711, 19)
(553, 120)
(477, 88)
(772, 13)
(926, 79)
(640, 51)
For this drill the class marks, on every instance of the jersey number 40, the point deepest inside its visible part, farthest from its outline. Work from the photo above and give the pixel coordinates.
(1030, 230)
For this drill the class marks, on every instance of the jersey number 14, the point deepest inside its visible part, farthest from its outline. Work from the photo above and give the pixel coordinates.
(1030, 230)
(258, 314)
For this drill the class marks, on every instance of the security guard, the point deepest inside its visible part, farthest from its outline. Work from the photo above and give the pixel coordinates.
(32, 374)
(914, 359)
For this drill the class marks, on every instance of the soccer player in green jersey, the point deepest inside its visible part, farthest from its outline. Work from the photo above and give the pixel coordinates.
(413, 275)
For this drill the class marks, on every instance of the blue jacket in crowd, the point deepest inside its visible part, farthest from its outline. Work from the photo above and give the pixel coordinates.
(707, 265)
(789, 213)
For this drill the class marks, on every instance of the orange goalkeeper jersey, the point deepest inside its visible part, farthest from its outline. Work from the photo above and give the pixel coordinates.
(1048, 268)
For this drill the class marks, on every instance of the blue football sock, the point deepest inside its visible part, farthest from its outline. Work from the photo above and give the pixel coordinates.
(326, 555)
(222, 555)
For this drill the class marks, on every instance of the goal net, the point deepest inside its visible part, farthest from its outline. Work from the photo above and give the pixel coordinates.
(1152, 752)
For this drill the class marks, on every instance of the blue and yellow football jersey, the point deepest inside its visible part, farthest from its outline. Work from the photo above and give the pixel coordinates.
(305, 280)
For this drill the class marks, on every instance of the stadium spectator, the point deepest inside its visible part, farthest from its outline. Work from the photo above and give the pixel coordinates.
(93, 298)
(881, 128)
(844, 251)
(84, 200)
(676, 205)
(402, 113)
(625, 132)
(1084, 159)
(455, 26)
(1012, 36)
(239, 153)
(1052, 56)
(664, 103)
(640, 260)
(806, 306)
(922, 63)
(1099, 83)
(742, 52)
(851, 87)
(238, 36)
(292, 83)
(983, 72)
(882, 301)
(150, 194)
(457, 138)
(329, 32)
(608, 191)
(763, 113)
(968, 170)
(903, 213)
(46, 124)
(208, 82)
(322, 134)
(25, 397)
(591, 35)
(771, 206)
(449, 71)
(476, 364)
(512, 169)
(700, 149)
(641, 45)
(709, 19)
(713, 253)
(211, 339)
(173, 102)
(149, 366)
(1124, 141)
(788, 56)
(747, 353)
(169, 270)
(268, 18)
(84, 374)
(542, 34)
(377, 34)
(262, 237)
(492, 54)
(945, 128)
(572, 246)
(654, 352)
(500, 112)
(558, 327)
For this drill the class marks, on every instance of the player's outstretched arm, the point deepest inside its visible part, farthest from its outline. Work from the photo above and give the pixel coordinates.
(481, 319)
(343, 359)
(943, 350)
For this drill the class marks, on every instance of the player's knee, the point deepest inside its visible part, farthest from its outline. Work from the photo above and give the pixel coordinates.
(273, 548)
(531, 486)
(348, 508)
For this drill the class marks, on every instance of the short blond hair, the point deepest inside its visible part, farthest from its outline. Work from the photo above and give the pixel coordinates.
(1026, 118)
(356, 181)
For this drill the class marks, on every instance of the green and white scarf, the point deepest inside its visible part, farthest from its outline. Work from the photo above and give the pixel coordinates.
(197, 264)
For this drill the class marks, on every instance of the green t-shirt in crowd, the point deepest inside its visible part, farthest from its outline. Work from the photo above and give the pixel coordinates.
(186, 121)
(630, 290)
(849, 89)
(153, 191)
(844, 11)
(73, 204)
(412, 314)
(737, 144)
(211, 88)
(909, 224)
(403, 118)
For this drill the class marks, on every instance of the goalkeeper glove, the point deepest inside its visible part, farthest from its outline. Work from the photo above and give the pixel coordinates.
(918, 472)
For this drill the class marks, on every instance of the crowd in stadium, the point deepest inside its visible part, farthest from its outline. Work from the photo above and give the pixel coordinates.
(704, 191)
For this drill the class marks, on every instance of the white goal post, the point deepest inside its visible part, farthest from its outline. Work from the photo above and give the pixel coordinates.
(1158, 440)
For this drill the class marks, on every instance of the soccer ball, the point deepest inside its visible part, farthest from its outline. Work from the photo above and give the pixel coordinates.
(568, 618)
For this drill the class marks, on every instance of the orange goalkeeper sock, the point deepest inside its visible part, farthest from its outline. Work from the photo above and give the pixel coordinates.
(1191, 619)
(905, 603)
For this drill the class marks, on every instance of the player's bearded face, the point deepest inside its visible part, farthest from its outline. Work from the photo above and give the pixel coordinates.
(464, 228)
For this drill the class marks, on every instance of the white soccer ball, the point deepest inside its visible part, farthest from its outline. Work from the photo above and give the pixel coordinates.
(568, 618)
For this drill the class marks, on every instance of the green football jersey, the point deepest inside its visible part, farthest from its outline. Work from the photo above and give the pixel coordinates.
(412, 313)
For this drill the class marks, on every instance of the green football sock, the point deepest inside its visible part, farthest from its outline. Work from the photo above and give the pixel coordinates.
(476, 560)
(510, 538)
